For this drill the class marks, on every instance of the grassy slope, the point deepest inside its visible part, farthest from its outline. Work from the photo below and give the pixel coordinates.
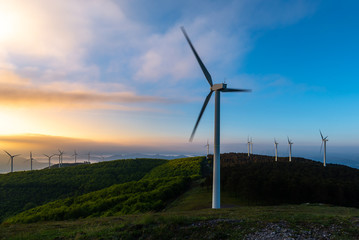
(32, 188)
(190, 216)
(229, 223)
(152, 193)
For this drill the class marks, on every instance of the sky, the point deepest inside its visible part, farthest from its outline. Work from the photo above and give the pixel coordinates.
(118, 76)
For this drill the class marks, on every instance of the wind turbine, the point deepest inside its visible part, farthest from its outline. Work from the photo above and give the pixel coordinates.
(207, 145)
(12, 159)
(75, 154)
(276, 150)
(31, 159)
(249, 146)
(217, 88)
(290, 149)
(49, 157)
(89, 156)
(324, 140)
(60, 157)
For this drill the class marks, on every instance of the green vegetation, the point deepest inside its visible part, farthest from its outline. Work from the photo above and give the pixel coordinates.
(273, 183)
(152, 193)
(20, 191)
(186, 167)
(119, 199)
(174, 198)
(311, 221)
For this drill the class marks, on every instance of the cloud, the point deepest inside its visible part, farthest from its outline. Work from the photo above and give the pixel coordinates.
(16, 91)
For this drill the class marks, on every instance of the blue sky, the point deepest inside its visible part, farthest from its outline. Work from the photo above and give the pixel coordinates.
(121, 73)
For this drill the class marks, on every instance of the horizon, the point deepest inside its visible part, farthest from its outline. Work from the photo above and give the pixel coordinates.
(119, 77)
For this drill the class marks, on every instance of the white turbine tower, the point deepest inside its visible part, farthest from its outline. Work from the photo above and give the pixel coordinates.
(290, 149)
(324, 141)
(207, 145)
(276, 150)
(75, 154)
(31, 159)
(89, 156)
(49, 157)
(217, 88)
(60, 157)
(12, 159)
(249, 147)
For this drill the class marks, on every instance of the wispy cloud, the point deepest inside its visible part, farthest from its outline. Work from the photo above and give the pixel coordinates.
(17, 91)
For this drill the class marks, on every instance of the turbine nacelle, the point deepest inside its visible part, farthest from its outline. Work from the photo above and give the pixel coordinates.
(219, 87)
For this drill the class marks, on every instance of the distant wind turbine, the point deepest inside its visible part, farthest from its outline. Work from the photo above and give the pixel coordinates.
(12, 160)
(249, 147)
(217, 88)
(89, 156)
(290, 149)
(207, 145)
(75, 154)
(324, 141)
(49, 157)
(60, 157)
(276, 150)
(31, 159)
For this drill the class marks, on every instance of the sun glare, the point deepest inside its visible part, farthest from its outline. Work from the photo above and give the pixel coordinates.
(9, 24)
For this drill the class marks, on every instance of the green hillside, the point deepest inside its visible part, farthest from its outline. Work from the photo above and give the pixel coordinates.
(20, 191)
(152, 193)
(186, 167)
(119, 199)
(259, 180)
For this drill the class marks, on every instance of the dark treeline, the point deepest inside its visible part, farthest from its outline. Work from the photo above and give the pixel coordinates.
(259, 180)
(20, 191)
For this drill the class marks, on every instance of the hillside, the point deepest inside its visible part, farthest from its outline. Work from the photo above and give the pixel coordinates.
(20, 191)
(250, 223)
(152, 193)
(245, 181)
(259, 180)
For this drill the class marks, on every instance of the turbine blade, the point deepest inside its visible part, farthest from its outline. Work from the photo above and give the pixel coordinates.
(321, 146)
(200, 114)
(16, 155)
(235, 90)
(7, 153)
(204, 69)
(321, 134)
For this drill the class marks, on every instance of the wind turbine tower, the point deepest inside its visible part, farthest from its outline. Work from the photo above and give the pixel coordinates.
(60, 157)
(217, 88)
(290, 149)
(75, 154)
(31, 159)
(324, 142)
(89, 156)
(207, 145)
(276, 150)
(12, 160)
(49, 157)
(249, 147)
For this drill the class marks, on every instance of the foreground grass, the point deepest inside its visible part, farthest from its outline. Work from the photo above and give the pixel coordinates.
(228, 223)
